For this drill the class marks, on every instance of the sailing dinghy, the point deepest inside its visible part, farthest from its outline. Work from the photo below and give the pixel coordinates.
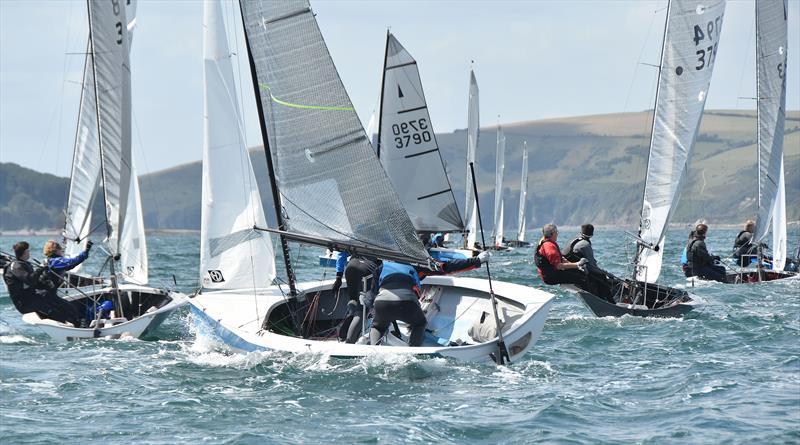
(498, 239)
(103, 156)
(330, 191)
(771, 57)
(470, 236)
(523, 197)
(691, 39)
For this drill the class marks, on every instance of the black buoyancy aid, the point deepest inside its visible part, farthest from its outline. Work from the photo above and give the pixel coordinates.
(571, 255)
(738, 242)
(690, 254)
(541, 261)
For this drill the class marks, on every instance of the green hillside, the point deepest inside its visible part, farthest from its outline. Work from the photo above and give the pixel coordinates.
(587, 168)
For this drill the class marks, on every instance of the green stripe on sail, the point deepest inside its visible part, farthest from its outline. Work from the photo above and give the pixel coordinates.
(305, 107)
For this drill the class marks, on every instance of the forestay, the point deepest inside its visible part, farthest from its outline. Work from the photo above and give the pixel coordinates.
(331, 184)
(109, 42)
(523, 193)
(771, 56)
(498, 181)
(473, 134)
(688, 56)
(233, 255)
(408, 149)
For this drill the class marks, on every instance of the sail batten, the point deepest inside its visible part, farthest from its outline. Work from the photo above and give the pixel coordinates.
(691, 40)
(771, 57)
(331, 184)
(409, 151)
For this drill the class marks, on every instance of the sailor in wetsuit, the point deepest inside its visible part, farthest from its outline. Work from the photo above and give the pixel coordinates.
(354, 271)
(700, 262)
(398, 297)
(35, 290)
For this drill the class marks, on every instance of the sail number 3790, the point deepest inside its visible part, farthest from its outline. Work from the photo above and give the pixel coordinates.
(411, 132)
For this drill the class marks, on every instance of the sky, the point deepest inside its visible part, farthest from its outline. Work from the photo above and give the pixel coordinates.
(533, 60)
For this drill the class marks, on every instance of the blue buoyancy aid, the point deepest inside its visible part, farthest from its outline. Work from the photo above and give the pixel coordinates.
(392, 268)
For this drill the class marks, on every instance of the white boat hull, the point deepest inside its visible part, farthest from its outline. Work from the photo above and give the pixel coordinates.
(236, 319)
(137, 327)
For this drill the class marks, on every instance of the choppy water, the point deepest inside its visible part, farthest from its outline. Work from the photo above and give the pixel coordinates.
(729, 374)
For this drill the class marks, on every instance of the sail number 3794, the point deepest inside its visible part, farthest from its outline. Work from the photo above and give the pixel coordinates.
(412, 132)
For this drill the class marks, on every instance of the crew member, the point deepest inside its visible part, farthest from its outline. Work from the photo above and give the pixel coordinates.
(552, 266)
(398, 297)
(354, 271)
(745, 251)
(701, 263)
(58, 263)
(581, 247)
(33, 290)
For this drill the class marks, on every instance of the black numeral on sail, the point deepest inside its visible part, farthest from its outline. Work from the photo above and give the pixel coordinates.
(705, 57)
(411, 132)
(119, 33)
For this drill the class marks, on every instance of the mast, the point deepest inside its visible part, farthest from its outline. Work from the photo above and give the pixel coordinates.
(639, 245)
(271, 169)
(383, 86)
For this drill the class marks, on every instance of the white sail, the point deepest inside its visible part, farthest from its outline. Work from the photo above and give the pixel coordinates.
(372, 128)
(498, 234)
(771, 56)
(133, 247)
(688, 56)
(408, 148)
(232, 254)
(109, 49)
(498, 180)
(473, 133)
(85, 174)
(779, 225)
(523, 193)
(472, 227)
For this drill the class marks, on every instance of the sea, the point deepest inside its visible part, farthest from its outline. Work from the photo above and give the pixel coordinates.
(729, 373)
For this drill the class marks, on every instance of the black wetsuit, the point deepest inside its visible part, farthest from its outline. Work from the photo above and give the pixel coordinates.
(29, 295)
(701, 263)
(357, 268)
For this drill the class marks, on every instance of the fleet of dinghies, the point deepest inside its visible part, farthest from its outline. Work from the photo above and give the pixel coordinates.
(373, 193)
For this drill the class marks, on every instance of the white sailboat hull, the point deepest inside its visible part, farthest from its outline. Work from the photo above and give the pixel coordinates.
(461, 302)
(135, 328)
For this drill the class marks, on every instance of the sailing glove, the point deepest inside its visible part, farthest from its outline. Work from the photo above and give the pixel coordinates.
(484, 256)
(89, 245)
(337, 284)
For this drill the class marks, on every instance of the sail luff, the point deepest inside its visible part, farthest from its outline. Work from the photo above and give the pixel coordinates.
(771, 56)
(330, 182)
(523, 193)
(408, 148)
(688, 55)
(233, 255)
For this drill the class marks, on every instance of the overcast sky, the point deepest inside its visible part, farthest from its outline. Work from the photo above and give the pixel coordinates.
(533, 60)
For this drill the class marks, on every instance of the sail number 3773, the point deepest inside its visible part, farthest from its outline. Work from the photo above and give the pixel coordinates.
(412, 132)
(710, 32)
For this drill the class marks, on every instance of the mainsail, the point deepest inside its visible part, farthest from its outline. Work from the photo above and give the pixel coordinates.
(498, 181)
(771, 56)
(408, 148)
(332, 187)
(108, 32)
(473, 134)
(688, 56)
(233, 255)
(523, 193)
